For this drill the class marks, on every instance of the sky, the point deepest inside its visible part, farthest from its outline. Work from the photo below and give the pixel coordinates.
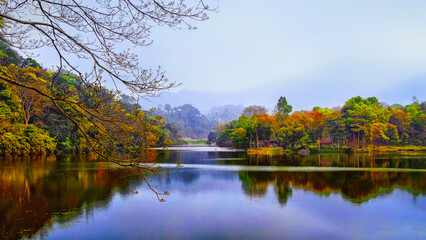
(315, 53)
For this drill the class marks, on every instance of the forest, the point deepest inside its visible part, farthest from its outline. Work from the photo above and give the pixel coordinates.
(360, 123)
(31, 124)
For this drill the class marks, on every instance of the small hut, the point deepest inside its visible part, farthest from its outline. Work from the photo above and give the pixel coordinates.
(325, 142)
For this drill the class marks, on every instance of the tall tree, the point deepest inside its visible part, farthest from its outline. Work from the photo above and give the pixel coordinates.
(283, 107)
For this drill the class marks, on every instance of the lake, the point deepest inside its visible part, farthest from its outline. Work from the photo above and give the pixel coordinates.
(217, 194)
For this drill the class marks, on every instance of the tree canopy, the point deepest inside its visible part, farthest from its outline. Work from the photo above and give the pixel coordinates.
(359, 123)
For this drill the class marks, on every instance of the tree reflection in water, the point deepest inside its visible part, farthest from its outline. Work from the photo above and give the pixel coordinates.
(36, 192)
(376, 160)
(356, 187)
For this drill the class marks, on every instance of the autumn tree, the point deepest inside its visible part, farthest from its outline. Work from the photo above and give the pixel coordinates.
(318, 116)
(245, 129)
(32, 103)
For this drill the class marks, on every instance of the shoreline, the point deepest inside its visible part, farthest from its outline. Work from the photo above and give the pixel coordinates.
(381, 149)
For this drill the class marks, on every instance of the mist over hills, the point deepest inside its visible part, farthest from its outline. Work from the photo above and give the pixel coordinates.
(224, 114)
(301, 96)
(191, 123)
(222, 107)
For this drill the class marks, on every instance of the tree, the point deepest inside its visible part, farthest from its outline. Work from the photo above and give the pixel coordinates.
(335, 126)
(32, 103)
(318, 117)
(82, 30)
(417, 119)
(254, 109)
(283, 107)
(212, 137)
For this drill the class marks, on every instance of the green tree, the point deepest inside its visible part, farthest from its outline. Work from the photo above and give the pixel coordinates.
(283, 107)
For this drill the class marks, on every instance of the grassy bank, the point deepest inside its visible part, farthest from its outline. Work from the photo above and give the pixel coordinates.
(266, 150)
(279, 150)
(399, 149)
(197, 142)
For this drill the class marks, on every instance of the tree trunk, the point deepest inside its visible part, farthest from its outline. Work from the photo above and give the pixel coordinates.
(363, 141)
(358, 140)
(257, 140)
(353, 140)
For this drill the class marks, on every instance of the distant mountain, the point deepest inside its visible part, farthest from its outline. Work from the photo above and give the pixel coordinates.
(188, 119)
(203, 101)
(224, 114)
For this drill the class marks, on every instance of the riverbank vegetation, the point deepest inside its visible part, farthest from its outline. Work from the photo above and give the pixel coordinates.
(362, 124)
(30, 123)
(197, 142)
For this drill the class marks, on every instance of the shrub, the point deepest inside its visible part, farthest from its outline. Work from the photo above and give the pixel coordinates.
(348, 150)
(288, 151)
(18, 139)
(314, 150)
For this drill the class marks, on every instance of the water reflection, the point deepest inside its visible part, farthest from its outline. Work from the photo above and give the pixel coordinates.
(36, 193)
(356, 187)
(35, 190)
(390, 160)
(219, 157)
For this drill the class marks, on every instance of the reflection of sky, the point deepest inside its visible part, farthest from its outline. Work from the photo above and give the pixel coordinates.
(211, 204)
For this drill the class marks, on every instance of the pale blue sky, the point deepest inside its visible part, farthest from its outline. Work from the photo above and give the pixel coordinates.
(313, 52)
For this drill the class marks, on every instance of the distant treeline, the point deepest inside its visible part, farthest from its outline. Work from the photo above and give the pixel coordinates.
(359, 123)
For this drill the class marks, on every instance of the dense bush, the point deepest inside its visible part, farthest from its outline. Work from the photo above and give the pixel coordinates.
(18, 139)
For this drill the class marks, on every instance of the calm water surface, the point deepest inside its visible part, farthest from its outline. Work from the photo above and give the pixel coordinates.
(218, 194)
